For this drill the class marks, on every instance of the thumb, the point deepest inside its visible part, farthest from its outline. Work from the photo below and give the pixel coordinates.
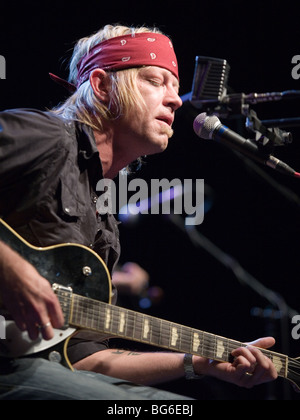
(264, 343)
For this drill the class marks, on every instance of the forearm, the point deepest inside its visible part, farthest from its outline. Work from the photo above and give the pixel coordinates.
(142, 368)
(9, 260)
(249, 367)
(5, 256)
(27, 296)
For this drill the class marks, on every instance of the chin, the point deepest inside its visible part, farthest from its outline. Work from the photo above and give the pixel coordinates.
(160, 142)
(166, 135)
(161, 145)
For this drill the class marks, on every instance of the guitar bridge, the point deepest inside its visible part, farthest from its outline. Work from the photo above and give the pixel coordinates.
(64, 295)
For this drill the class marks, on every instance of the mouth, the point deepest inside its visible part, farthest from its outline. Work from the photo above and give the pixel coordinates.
(166, 119)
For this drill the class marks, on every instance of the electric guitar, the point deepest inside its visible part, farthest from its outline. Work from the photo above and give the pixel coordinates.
(82, 284)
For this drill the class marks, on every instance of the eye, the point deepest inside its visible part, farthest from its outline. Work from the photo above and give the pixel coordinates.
(155, 82)
(177, 89)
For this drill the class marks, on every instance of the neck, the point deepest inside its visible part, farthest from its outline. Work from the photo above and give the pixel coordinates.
(113, 157)
(112, 162)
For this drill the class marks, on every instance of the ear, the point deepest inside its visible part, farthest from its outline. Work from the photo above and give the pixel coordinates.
(100, 83)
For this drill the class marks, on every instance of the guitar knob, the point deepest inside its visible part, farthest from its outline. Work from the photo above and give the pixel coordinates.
(87, 271)
(55, 357)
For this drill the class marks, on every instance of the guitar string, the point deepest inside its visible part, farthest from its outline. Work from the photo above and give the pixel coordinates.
(133, 325)
(185, 340)
(133, 319)
(209, 341)
(206, 347)
(116, 309)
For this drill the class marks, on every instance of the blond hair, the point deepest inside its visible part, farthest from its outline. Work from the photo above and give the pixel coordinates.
(83, 105)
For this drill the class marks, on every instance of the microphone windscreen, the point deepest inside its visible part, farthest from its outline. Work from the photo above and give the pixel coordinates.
(204, 125)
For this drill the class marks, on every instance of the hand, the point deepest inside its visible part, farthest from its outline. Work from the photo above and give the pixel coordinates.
(131, 279)
(249, 368)
(27, 296)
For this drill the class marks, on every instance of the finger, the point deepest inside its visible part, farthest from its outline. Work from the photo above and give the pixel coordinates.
(55, 313)
(46, 330)
(38, 323)
(264, 343)
(44, 324)
(33, 331)
(243, 368)
(20, 323)
(248, 380)
(265, 369)
(24, 321)
(244, 355)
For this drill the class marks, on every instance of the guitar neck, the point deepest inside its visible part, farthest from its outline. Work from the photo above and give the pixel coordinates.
(67, 263)
(119, 322)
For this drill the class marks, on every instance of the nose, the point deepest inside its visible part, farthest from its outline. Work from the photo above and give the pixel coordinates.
(172, 98)
(178, 102)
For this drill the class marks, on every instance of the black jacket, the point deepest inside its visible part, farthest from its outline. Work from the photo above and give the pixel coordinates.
(49, 169)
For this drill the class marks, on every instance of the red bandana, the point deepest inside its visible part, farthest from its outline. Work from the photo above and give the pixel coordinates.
(123, 52)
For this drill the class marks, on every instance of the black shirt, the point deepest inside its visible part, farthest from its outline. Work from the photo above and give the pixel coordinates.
(49, 169)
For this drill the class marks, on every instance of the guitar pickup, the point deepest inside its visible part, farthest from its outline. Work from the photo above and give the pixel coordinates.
(64, 295)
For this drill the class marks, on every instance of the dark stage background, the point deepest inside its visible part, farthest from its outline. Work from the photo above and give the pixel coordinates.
(250, 219)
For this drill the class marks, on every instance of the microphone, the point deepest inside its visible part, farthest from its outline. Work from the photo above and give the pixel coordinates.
(210, 128)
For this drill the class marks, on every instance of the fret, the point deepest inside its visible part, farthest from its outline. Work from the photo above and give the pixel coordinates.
(220, 349)
(227, 351)
(185, 339)
(122, 323)
(174, 336)
(277, 363)
(130, 324)
(165, 334)
(108, 318)
(83, 312)
(213, 346)
(146, 329)
(99, 318)
(156, 332)
(202, 343)
(138, 327)
(181, 341)
(197, 342)
(79, 311)
(280, 362)
(64, 295)
(88, 313)
(208, 346)
(115, 318)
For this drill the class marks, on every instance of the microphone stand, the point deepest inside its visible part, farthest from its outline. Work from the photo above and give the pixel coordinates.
(282, 122)
(268, 130)
(243, 277)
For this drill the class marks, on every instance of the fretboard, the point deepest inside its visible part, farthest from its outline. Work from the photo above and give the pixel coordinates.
(119, 322)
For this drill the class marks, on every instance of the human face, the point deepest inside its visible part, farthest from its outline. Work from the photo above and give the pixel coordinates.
(150, 127)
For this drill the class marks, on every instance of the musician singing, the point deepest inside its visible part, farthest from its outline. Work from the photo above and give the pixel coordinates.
(124, 92)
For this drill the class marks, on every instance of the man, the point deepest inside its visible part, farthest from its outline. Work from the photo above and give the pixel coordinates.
(124, 84)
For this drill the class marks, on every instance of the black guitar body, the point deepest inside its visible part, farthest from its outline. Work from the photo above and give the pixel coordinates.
(90, 278)
(69, 265)
(82, 284)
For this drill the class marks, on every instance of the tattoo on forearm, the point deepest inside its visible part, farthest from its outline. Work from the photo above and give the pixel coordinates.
(130, 353)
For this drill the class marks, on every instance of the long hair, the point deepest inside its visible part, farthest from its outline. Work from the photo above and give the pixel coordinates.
(83, 105)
